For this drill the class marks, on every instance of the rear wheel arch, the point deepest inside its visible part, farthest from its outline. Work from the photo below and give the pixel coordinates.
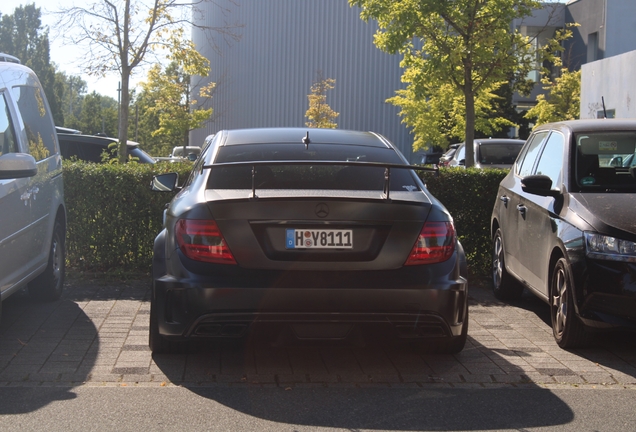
(494, 226)
(60, 217)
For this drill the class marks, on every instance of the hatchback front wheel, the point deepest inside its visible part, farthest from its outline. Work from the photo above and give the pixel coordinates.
(568, 330)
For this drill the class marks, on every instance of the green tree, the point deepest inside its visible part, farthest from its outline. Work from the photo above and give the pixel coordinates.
(71, 90)
(98, 115)
(562, 102)
(453, 50)
(122, 36)
(319, 114)
(22, 35)
(504, 108)
(146, 122)
(170, 91)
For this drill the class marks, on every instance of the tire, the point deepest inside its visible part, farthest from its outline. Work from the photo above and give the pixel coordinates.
(156, 342)
(504, 286)
(48, 286)
(456, 344)
(568, 330)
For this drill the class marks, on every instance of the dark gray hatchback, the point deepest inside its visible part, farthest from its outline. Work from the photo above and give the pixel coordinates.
(315, 234)
(564, 226)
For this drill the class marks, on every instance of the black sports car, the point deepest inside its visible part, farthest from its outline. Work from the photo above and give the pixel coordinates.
(564, 226)
(317, 233)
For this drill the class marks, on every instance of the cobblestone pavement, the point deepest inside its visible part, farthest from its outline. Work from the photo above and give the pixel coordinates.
(97, 335)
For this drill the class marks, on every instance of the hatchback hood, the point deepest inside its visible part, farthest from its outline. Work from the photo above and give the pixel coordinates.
(608, 213)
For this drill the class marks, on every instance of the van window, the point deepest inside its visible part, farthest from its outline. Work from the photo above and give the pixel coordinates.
(8, 143)
(39, 128)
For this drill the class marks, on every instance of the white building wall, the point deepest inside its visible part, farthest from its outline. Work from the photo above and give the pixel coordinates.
(613, 80)
(263, 80)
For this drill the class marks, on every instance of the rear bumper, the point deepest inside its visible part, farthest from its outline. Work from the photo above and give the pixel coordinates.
(189, 310)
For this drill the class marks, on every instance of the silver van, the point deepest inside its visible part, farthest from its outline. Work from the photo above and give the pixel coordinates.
(32, 211)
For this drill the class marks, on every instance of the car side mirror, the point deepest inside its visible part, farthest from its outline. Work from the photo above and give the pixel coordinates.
(17, 165)
(539, 185)
(164, 182)
(192, 157)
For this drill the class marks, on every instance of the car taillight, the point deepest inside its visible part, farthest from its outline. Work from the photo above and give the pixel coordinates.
(201, 240)
(436, 243)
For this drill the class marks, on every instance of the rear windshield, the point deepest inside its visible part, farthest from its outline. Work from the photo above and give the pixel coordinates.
(335, 177)
(606, 161)
(498, 154)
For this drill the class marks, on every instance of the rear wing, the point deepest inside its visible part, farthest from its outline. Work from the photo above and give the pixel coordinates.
(387, 168)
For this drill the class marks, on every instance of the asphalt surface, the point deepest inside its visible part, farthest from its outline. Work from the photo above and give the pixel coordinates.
(97, 334)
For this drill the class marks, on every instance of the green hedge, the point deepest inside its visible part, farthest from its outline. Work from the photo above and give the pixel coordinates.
(113, 217)
(469, 195)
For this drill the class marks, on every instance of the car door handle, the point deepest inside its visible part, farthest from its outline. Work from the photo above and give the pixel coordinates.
(504, 199)
(522, 209)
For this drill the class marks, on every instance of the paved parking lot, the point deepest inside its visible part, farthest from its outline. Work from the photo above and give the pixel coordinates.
(97, 335)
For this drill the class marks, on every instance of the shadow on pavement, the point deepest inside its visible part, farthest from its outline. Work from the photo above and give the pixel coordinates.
(43, 342)
(338, 404)
(400, 409)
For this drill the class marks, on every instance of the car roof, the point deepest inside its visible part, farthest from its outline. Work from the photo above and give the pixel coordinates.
(92, 139)
(9, 58)
(296, 136)
(587, 125)
(482, 141)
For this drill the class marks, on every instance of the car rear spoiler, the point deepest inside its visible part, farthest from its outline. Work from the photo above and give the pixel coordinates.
(387, 168)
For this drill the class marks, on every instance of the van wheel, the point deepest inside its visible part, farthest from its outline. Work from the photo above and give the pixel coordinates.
(48, 286)
(504, 286)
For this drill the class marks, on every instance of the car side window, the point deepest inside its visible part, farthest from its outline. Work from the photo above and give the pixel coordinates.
(8, 143)
(530, 154)
(39, 128)
(551, 159)
(460, 154)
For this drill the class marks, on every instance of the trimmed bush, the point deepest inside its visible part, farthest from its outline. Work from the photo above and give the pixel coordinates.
(114, 217)
(469, 195)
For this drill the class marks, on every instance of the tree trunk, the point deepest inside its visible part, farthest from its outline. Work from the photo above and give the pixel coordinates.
(469, 96)
(122, 150)
(124, 105)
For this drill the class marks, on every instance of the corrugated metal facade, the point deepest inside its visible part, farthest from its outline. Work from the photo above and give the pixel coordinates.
(263, 80)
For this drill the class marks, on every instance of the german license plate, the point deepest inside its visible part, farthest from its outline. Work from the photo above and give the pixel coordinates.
(318, 239)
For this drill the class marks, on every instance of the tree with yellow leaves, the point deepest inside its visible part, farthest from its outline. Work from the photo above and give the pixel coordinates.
(320, 114)
(170, 91)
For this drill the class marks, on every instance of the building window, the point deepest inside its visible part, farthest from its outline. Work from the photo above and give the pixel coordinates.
(592, 47)
(611, 113)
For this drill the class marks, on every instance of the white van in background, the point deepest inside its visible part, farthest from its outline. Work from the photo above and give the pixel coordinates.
(32, 210)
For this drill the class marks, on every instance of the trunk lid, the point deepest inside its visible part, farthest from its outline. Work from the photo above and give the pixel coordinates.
(310, 230)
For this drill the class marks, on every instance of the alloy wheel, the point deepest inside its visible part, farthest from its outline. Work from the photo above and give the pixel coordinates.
(560, 301)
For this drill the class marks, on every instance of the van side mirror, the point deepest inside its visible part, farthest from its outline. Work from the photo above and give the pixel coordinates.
(17, 165)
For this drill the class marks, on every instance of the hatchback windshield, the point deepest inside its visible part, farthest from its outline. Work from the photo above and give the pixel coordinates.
(603, 160)
(307, 176)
